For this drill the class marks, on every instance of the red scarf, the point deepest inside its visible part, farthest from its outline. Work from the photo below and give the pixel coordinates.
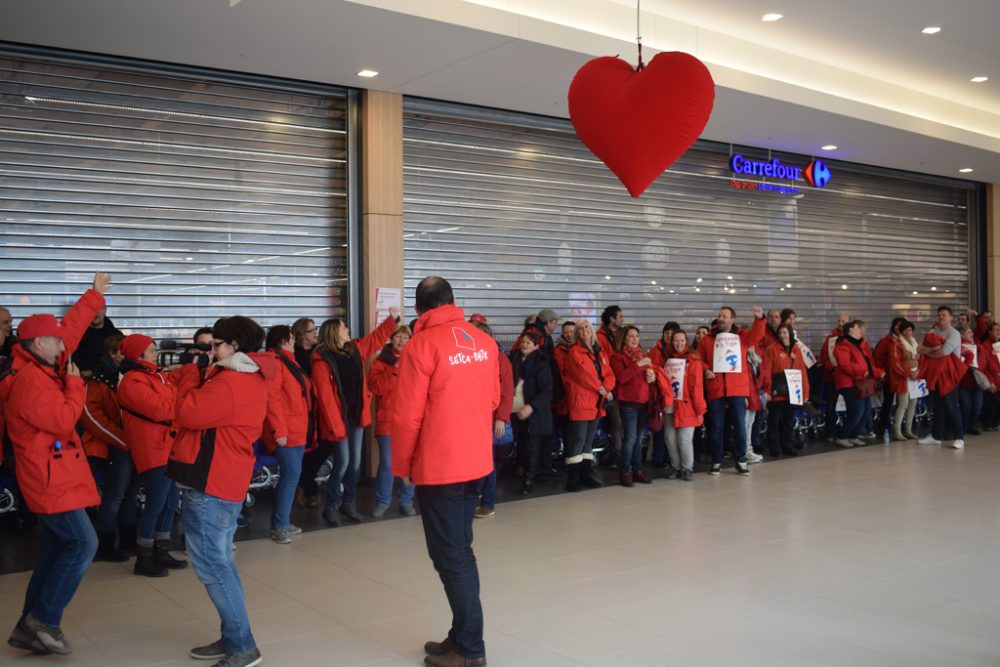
(633, 353)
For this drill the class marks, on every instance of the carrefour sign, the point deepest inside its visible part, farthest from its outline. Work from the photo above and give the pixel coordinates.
(816, 173)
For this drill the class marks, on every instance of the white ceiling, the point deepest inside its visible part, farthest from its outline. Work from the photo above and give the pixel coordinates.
(854, 73)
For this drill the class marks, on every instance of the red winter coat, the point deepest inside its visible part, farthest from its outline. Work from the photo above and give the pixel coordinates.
(882, 350)
(851, 364)
(383, 378)
(583, 400)
(101, 420)
(659, 354)
(630, 379)
(897, 370)
(449, 373)
(778, 360)
(826, 357)
(220, 418)
(329, 404)
(731, 384)
(289, 403)
(606, 341)
(502, 413)
(989, 364)
(42, 407)
(690, 411)
(562, 355)
(943, 374)
(147, 397)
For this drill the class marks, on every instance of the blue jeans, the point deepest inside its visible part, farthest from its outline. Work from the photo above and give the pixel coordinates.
(209, 526)
(290, 464)
(633, 424)
(447, 510)
(161, 505)
(737, 407)
(970, 399)
(854, 418)
(118, 497)
(346, 468)
(66, 546)
(384, 478)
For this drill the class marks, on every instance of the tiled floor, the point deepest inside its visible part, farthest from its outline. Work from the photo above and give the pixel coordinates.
(877, 556)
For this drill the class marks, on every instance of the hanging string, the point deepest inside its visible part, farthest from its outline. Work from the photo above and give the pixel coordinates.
(638, 34)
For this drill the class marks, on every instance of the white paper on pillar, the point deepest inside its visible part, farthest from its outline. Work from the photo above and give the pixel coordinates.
(728, 354)
(675, 375)
(807, 354)
(841, 404)
(974, 349)
(793, 377)
(916, 388)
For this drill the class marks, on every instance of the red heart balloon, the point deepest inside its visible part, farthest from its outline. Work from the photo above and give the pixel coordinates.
(639, 123)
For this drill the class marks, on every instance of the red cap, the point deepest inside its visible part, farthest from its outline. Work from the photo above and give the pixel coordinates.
(39, 325)
(133, 346)
(478, 317)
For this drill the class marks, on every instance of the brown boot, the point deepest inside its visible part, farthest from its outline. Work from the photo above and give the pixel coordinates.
(300, 497)
(642, 477)
(452, 659)
(439, 648)
(625, 479)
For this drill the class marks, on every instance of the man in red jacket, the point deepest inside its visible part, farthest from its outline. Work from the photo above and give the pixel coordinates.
(443, 441)
(829, 363)
(43, 397)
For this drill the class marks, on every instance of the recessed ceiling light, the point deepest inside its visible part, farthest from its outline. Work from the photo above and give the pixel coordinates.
(966, 170)
(771, 17)
(828, 147)
(979, 79)
(368, 73)
(931, 30)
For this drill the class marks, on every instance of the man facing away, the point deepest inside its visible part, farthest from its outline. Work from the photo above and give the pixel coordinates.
(443, 443)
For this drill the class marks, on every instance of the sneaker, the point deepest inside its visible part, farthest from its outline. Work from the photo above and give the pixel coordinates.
(379, 511)
(293, 530)
(281, 536)
(716, 469)
(754, 457)
(213, 651)
(670, 472)
(249, 658)
(22, 639)
(407, 510)
(51, 639)
(929, 440)
(485, 513)
(350, 510)
(330, 516)
(868, 436)
(242, 521)
(743, 468)
(844, 442)
(687, 475)
(957, 444)
(859, 442)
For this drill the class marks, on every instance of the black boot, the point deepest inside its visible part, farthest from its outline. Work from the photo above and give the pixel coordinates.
(126, 539)
(146, 564)
(573, 476)
(161, 552)
(526, 485)
(106, 549)
(586, 479)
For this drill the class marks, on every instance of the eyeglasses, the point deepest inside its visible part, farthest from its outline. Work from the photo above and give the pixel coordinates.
(313, 330)
(219, 343)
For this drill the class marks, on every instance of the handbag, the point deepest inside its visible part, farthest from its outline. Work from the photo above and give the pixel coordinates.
(779, 384)
(507, 437)
(865, 387)
(654, 410)
(982, 381)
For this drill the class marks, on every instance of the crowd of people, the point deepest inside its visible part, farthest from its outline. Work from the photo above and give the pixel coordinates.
(86, 405)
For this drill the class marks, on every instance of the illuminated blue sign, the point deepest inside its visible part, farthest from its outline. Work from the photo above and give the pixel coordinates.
(817, 174)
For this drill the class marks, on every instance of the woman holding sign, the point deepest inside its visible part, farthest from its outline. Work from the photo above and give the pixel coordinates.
(786, 383)
(685, 372)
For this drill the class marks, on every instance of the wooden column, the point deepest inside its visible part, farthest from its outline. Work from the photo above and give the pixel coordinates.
(381, 209)
(993, 247)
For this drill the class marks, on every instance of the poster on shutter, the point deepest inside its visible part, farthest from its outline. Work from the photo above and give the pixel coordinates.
(675, 375)
(807, 354)
(386, 298)
(793, 377)
(974, 349)
(916, 388)
(728, 354)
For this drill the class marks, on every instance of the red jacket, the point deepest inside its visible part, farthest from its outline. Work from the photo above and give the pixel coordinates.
(826, 357)
(289, 403)
(882, 350)
(897, 371)
(502, 412)
(778, 360)
(383, 378)
(659, 354)
(42, 407)
(449, 372)
(562, 355)
(767, 340)
(147, 397)
(101, 419)
(630, 379)
(583, 400)
(220, 418)
(731, 384)
(329, 404)
(989, 364)
(606, 341)
(690, 411)
(851, 364)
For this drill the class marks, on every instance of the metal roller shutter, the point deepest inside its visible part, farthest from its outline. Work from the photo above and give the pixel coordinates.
(202, 198)
(519, 215)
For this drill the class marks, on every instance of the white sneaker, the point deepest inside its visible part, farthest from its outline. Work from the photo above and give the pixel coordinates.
(958, 444)
(928, 440)
(859, 442)
(754, 457)
(844, 442)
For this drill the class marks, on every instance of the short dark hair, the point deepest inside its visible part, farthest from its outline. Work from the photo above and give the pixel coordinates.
(277, 335)
(786, 313)
(433, 292)
(568, 323)
(850, 325)
(111, 343)
(670, 326)
(948, 308)
(785, 325)
(610, 313)
(731, 311)
(906, 324)
(200, 332)
(896, 325)
(243, 331)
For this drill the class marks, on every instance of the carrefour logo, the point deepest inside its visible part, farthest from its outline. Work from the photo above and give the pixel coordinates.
(817, 174)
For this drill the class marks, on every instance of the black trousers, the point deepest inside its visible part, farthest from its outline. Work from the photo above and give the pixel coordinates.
(528, 448)
(888, 407)
(780, 427)
(447, 512)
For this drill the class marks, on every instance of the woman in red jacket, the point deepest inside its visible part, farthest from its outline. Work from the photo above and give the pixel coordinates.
(854, 364)
(633, 375)
(147, 396)
(382, 379)
(991, 363)
(658, 354)
(343, 410)
(588, 382)
(784, 355)
(688, 409)
(903, 366)
(288, 426)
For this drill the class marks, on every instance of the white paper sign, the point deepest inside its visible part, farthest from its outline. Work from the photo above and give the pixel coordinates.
(675, 375)
(807, 354)
(386, 298)
(996, 349)
(793, 377)
(841, 404)
(728, 354)
(916, 388)
(975, 353)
